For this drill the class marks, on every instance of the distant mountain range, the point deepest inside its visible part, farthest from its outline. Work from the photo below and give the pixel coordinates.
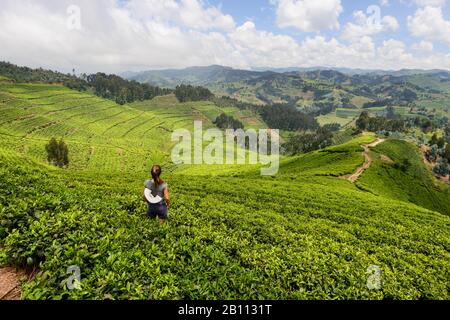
(193, 75)
(209, 75)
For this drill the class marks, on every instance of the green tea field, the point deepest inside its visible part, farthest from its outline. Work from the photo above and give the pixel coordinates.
(305, 233)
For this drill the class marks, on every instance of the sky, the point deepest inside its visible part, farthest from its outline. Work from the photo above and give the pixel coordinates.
(114, 36)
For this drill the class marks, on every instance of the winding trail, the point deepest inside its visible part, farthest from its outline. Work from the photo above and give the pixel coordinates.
(9, 284)
(367, 160)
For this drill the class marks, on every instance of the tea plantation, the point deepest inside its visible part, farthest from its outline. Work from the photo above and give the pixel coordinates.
(305, 233)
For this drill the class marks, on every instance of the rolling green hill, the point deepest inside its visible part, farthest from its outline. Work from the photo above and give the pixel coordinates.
(328, 94)
(398, 173)
(305, 233)
(102, 134)
(195, 75)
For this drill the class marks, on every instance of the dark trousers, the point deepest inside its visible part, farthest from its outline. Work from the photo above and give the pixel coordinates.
(157, 210)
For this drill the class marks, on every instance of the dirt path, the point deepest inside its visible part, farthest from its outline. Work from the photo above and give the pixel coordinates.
(10, 284)
(367, 160)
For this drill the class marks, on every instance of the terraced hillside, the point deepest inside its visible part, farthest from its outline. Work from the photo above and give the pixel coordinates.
(102, 135)
(305, 233)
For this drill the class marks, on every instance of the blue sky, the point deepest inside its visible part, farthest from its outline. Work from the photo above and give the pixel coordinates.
(263, 13)
(120, 35)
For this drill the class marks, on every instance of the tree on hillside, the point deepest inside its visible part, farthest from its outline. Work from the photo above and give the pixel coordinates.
(52, 149)
(185, 93)
(447, 133)
(287, 117)
(447, 152)
(390, 112)
(363, 121)
(333, 127)
(57, 153)
(434, 140)
(442, 168)
(432, 153)
(440, 142)
(228, 122)
(64, 154)
(307, 142)
(121, 90)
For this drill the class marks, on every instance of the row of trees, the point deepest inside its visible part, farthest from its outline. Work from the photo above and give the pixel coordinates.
(439, 142)
(320, 108)
(307, 142)
(378, 103)
(375, 124)
(225, 102)
(122, 91)
(185, 93)
(224, 121)
(286, 117)
(25, 74)
(106, 86)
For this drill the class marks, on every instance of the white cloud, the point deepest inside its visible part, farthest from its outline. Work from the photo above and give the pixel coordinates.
(423, 46)
(309, 15)
(262, 48)
(113, 37)
(433, 3)
(189, 13)
(117, 37)
(429, 23)
(366, 26)
(393, 52)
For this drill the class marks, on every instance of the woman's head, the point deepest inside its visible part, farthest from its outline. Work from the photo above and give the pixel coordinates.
(156, 173)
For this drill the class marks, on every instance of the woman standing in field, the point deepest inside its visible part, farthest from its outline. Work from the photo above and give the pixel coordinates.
(156, 194)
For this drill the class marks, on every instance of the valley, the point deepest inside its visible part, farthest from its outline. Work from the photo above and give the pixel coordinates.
(304, 233)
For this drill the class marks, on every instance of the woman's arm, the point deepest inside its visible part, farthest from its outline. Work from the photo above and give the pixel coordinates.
(167, 196)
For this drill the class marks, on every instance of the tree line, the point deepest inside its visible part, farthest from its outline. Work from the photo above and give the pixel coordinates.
(185, 93)
(287, 117)
(308, 141)
(106, 86)
(224, 121)
(375, 124)
(25, 74)
(225, 102)
(122, 91)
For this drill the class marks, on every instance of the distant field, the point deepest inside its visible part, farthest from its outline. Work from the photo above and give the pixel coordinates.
(359, 101)
(440, 105)
(341, 116)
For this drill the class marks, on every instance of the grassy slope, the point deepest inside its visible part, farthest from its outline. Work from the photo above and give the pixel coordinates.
(303, 234)
(102, 135)
(228, 238)
(333, 161)
(416, 185)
